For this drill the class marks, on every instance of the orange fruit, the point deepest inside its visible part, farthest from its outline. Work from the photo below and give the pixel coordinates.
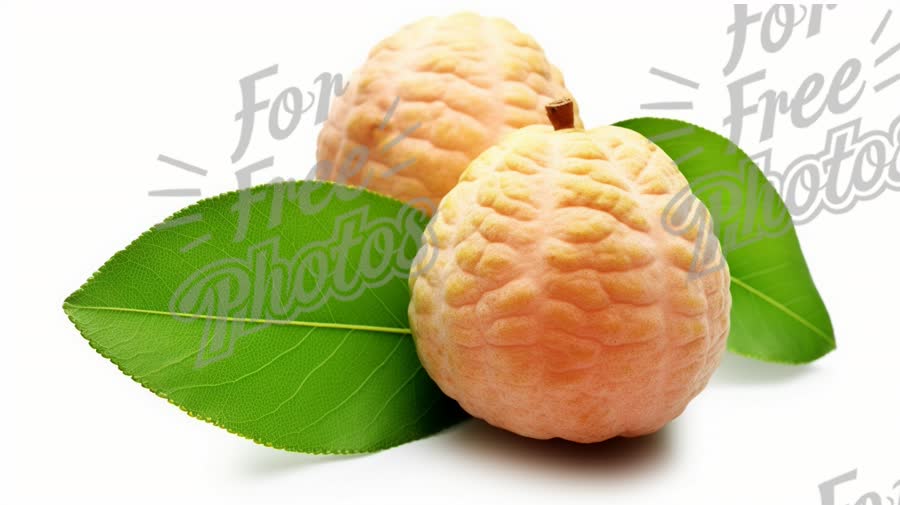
(462, 82)
(549, 299)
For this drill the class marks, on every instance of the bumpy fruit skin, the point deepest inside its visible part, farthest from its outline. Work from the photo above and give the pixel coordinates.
(549, 299)
(465, 79)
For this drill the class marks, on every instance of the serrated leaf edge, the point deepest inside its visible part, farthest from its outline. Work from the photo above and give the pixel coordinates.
(186, 210)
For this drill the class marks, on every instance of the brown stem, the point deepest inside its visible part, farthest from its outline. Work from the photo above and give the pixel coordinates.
(561, 113)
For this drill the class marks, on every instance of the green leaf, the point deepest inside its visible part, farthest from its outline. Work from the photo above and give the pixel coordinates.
(278, 313)
(777, 313)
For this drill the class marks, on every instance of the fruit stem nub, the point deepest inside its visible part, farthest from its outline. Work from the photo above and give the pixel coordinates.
(561, 113)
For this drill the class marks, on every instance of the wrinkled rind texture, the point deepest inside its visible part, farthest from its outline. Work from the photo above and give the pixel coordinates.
(552, 301)
(465, 80)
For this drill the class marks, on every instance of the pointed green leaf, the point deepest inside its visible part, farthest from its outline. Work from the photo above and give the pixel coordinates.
(278, 313)
(777, 313)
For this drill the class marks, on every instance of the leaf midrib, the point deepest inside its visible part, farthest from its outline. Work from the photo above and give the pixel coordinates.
(788, 312)
(308, 324)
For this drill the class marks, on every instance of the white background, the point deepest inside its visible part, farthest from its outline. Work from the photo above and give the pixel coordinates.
(93, 92)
